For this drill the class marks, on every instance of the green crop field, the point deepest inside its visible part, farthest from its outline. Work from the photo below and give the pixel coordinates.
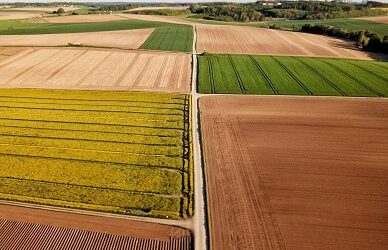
(121, 152)
(348, 24)
(242, 74)
(168, 37)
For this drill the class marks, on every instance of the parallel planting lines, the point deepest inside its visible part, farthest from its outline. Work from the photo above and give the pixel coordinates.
(116, 152)
(240, 74)
(23, 236)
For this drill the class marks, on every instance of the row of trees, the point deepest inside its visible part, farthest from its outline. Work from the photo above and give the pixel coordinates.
(302, 10)
(367, 40)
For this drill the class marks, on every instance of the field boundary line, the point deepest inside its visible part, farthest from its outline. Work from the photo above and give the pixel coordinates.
(266, 77)
(354, 79)
(322, 76)
(293, 76)
(239, 80)
(179, 223)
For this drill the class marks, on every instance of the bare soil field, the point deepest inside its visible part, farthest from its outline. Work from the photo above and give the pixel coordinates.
(249, 40)
(43, 9)
(42, 229)
(123, 39)
(376, 19)
(161, 8)
(84, 18)
(156, 18)
(296, 172)
(7, 52)
(80, 68)
(9, 15)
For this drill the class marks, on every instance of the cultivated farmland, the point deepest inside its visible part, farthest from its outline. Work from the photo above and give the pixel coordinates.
(109, 151)
(296, 172)
(168, 37)
(123, 39)
(84, 18)
(249, 40)
(377, 19)
(76, 231)
(268, 75)
(80, 68)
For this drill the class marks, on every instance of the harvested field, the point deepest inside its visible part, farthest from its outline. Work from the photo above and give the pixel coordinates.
(43, 9)
(8, 52)
(296, 172)
(84, 18)
(282, 75)
(26, 225)
(123, 39)
(249, 40)
(157, 18)
(9, 15)
(78, 68)
(161, 8)
(121, 152)
(376, 19)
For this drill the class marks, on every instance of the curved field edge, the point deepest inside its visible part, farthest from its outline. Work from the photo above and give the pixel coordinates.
(56, 168)
(286, 75)
(167, 36)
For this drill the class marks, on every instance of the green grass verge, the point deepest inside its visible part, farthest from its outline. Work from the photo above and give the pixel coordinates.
(242, 74)
(168, 37)
(123, 152)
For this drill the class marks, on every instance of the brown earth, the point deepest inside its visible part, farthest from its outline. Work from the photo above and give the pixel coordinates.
(8, 52)
(80, 68)
(9, 15)
(376, 19)
(43, 9)
(124, 39)
(250, 40)
(84, 18)
(296, 172)
(157, 18)
(27, 228)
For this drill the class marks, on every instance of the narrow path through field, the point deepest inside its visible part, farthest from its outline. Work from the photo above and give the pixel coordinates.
(200, 225)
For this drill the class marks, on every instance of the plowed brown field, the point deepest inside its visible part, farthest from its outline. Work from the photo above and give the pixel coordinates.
(84, 18)
(376, 19)
(73, 68)
(249, 40)
(7, 52)
(124, 39)
(10, 15)
(296, 172)
(26, 228)
(161, 8)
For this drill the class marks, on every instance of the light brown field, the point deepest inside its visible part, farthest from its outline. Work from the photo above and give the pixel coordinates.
(9, 15)
(8, 52)
(79, 68)
(157, 18)
(44, 9)
(250, 40)
(296, 172)
(84, 18)
(26, 228)
(161, 8)
(123, 39)
(376, 19)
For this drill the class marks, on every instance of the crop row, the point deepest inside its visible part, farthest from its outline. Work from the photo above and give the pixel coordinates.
(291, 76)
(88, 198)
(137, 153)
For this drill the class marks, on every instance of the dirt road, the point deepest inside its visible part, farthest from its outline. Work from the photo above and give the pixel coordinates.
(296, 172)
